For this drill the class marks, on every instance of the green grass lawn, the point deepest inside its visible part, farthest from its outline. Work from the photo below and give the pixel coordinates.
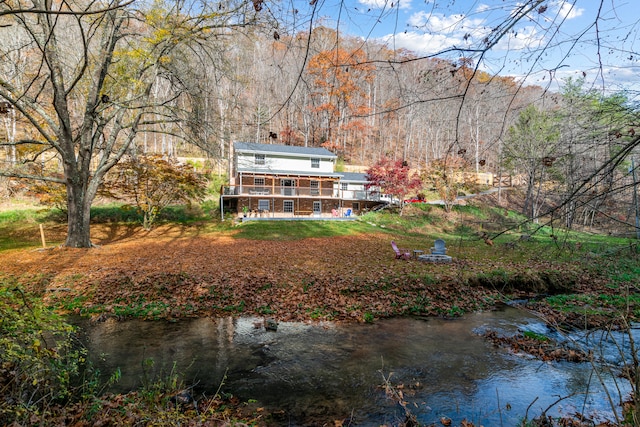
(514, 238)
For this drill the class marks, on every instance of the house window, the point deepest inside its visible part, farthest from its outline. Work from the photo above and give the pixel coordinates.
(259, 159)
(315, 187)
(344, 186)
(263, 205)
(356, 206)
(315, 163)
(287, 206)
(258, 187)
(317, 207)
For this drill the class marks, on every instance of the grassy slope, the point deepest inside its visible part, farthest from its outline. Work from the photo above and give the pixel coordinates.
(520, 256)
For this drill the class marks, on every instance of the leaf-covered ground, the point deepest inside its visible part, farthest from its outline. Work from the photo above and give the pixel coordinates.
(172, 272)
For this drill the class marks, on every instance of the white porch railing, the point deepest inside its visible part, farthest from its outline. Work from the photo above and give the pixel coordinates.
(287, 191)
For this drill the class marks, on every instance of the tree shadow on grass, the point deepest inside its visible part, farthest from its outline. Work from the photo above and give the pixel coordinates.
(108, 233)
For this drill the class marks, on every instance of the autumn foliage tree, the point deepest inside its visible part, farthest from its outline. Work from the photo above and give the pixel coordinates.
(152, 183)
(50, 194)
(97, 75)
(340, 94)
(447, 176)
(393, 177)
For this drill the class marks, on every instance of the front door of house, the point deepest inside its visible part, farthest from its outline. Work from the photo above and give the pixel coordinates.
(288, 186)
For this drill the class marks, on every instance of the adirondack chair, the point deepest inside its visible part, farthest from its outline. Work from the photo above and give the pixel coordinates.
(439, 248)
(348, 212)
(438, 253)
(400, 253)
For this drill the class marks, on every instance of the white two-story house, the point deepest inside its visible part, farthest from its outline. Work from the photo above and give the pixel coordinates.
(276, 181)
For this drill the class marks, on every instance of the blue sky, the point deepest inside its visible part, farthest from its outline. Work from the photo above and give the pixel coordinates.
(555, 40)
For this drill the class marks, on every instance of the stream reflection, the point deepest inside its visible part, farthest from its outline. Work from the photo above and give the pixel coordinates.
(330, 372)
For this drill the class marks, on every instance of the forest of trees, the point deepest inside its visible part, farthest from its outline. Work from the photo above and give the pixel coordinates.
(83, 84)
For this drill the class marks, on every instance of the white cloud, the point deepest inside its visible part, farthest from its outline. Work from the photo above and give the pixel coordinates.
(379, 4)
(568, 10)
(610, 80)
(454, 25)
(422, 44)
(482, 8)
(431, 30)
(442, 33)
(561, 10)
(436, 23)
(622, 79)
(526, 38)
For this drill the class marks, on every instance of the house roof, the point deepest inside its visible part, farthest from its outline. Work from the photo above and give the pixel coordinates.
(284, 173)
(294, 150)
(353, 177)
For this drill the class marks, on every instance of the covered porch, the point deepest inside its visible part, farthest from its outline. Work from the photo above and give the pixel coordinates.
(341, 214)
(280, 216)
(272, 207)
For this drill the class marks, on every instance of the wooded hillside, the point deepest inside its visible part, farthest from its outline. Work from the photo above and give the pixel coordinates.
(83, 86)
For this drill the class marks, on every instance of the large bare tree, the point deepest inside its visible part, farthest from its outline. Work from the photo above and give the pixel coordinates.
(88, 85)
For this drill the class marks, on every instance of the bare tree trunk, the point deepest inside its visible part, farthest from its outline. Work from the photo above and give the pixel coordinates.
(79, 219)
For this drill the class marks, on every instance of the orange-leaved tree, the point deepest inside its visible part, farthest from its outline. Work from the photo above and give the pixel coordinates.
(152, 183)
(341, 93)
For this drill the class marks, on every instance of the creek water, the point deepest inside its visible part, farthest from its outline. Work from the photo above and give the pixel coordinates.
(318, 373)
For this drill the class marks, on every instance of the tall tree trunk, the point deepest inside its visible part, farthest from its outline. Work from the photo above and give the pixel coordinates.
(528, 208)
(78, 215)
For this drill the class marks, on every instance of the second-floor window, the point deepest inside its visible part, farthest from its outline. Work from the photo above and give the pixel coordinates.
(315, 163)
(258, 181)
(315, 187)
(259, 159)
(344, 186)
